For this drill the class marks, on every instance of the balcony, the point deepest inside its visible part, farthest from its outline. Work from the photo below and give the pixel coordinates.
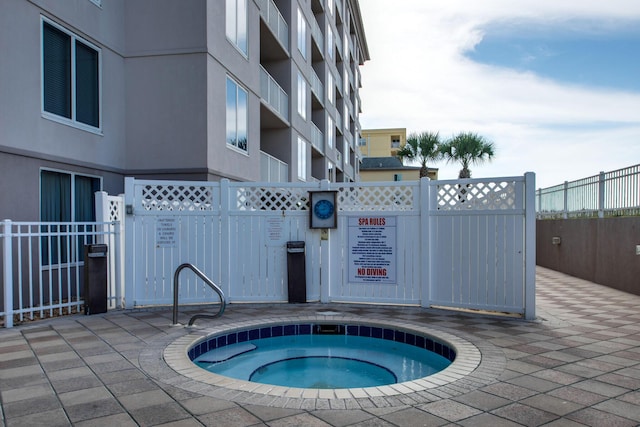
(317, 88)
(338, 40)
(317, 138)
(273, 169)
(273, 94)
(316, 35)
(275, 21)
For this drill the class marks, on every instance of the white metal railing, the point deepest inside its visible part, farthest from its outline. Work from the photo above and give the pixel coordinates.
(340, 84)
(612, 193)
(317, 87)
(275, 21)
(338, 42)
(339, 7)
(317, 138)
(316, 34)
(273, 169)
(43, 267)
(273, 94)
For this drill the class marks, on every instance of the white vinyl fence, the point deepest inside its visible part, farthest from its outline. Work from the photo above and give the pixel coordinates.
(464, 244)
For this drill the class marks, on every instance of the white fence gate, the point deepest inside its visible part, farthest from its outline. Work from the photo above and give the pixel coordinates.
(458, 244)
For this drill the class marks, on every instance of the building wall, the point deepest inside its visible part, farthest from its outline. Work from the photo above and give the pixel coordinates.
(164, 66)
(389, 175)
(378, 141)
(599, 250)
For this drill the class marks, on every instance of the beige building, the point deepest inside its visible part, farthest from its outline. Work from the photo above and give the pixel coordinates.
(382, 142)
(379, 149)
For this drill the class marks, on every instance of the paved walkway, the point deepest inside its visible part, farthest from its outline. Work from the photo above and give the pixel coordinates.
(577, 364)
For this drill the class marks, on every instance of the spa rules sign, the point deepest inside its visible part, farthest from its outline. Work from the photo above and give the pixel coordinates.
(372, 249)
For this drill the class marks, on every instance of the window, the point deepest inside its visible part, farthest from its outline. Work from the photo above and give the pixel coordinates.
(395, 141)
(302, 96)
(236, 24)
(331, 172)
(65, 197)
(330, 47)
(331, 89)
(345, 150)
(397, 177)
(237, 115)
(70, 77)
(302, 34)
(331, 131)
(302, 159)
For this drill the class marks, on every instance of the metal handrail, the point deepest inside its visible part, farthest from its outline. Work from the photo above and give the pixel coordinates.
(200, 274)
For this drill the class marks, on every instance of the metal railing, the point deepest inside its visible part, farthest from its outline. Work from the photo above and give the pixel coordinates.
(317, 138)
(273, 94)
(275, 21)
(614, 193)
(200, 274)
(42, 267)
(317, 88)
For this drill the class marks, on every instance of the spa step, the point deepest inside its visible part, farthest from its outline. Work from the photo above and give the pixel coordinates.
(226, 353)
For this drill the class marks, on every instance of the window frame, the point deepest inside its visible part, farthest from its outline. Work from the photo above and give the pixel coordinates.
(233, 38)
(238, 87)
(303, 152)
(61, 249)
(302, 33)
(74, 39)
(302, 95)
(331, 131)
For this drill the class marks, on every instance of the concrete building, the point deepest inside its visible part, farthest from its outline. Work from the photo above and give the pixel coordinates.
(379, 148)
(92, 91)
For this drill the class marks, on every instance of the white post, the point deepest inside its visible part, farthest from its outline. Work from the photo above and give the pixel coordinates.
(530, 246)
(102, 212)
(325, 255)
(601, 181)
(565, 210)
(225, 241)
(425, 248)
(129, 219)
(116, 256)
(8, 275)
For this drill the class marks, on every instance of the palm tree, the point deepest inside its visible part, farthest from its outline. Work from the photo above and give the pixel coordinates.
(468, 148)
(422, 147)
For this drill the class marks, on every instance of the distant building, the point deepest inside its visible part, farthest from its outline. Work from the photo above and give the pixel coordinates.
(382, 142)
(92, 91)
(379, 149)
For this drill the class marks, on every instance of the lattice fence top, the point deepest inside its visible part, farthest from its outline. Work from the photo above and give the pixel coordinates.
(168, 197)
(499, 195)
(272, 198)
(351, 197)
(115, 211)
(380, 198)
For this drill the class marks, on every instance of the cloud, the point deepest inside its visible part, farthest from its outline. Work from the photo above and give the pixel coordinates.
(420, 79)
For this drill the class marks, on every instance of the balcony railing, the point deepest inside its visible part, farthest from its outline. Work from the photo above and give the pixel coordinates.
(316, 35)
(273, 169)
(338, 40)
(275, 21)
(273, 94)
(317, 138)
(317, 87)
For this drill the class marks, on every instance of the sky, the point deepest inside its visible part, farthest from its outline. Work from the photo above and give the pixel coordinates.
(555, 85)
